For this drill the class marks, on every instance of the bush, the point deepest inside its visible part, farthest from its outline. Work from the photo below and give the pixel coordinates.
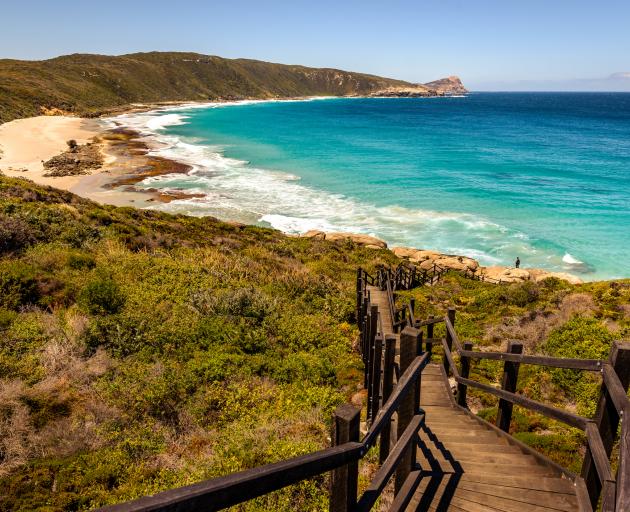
(101, 296)
(15, 234)
(18, 285)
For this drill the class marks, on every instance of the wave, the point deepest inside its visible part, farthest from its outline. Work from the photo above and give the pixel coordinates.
(570, 260)
(232, 189)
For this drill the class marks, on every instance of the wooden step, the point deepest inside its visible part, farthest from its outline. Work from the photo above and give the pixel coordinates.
(463, 448)
(554, 500)
(552, 484)
(519, 459)
(453, 493)
(481, 438)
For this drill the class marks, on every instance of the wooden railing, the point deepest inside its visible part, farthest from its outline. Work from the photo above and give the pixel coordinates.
(601, 431)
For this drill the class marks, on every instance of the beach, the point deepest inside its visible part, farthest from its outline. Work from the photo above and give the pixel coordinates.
(25, 144)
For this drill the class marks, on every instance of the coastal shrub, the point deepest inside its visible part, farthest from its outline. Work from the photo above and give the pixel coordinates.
(81, 261)
(580, 337)
(101, 296)
(18, 285)
(15, 234)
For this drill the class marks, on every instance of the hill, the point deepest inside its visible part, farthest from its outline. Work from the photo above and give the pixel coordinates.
(91, 84)
(141, 351)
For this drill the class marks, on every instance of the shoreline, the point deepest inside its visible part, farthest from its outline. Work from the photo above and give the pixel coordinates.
(128, 159)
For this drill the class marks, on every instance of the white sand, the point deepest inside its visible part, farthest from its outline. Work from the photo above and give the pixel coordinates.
(25, 143)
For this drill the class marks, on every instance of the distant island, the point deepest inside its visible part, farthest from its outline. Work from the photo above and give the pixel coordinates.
(93, 85)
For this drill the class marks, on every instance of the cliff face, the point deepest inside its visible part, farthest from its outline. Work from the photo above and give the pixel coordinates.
(91, 84)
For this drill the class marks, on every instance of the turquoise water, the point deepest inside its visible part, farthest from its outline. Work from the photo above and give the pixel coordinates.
(542, 176)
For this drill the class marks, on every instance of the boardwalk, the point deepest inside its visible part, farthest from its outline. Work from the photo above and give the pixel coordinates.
(468, 465)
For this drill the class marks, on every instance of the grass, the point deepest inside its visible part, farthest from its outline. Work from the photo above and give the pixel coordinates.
(140, 351)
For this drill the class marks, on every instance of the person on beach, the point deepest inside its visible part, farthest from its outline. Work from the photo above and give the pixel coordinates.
(518, 262)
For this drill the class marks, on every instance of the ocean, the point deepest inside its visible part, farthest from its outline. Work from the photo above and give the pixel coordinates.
(541, 176)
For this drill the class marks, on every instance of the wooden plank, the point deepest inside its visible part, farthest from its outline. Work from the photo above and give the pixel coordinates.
(445, 493)
(384, 473)
(404, 385)
(551, 484)
(593, 365)
(564, 416)
(344, 479)
(559, 501)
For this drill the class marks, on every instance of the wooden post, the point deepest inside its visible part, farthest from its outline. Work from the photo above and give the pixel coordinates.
(406, 409)
(464, 371)
(388, 385)
(607, 421)
(376, 376)
(430, 336)
(623, 472)
(344, 480)
(449, 339)
(508, 383)
(359, 295)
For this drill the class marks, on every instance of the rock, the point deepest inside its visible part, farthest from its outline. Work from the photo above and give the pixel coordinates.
(314, 234)
(415, 255)
(461, 263)
(506, 274)
(371, 242)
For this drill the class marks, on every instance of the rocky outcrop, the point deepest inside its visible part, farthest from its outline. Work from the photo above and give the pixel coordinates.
(449, 86)
(426, 259)
(494, 274)
(371, 242)
(77, 160)
(416, 91)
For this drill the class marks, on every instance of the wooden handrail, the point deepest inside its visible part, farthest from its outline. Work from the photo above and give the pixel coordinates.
(407, 380)
(593, 365)
(223, 492)
(617, 394)
(566, 417)
(385, 472)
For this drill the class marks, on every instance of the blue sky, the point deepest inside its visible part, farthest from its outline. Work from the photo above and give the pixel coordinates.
(490, 44)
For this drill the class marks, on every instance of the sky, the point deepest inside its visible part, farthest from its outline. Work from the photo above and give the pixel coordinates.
(490, 44)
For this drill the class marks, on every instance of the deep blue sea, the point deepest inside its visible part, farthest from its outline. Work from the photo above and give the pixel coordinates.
(542, 176)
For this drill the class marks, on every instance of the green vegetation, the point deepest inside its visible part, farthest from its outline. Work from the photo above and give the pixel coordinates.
(140, 351)
(92, 84)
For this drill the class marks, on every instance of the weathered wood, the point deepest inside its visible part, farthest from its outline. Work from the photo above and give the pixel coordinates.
(464, 372)
(448, 359)
(369, 367)
(408, 350)
(566, 417)
(394, 462)
(344, 479)
(508, 383)
(593, 365)
(430, 334)
(218, 493)
(376, 376)
(623, 472)
(607, 418)
(402, 389)
(388, 384)
(449, 338)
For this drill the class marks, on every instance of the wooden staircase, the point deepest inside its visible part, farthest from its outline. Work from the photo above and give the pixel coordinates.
(470, 466)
